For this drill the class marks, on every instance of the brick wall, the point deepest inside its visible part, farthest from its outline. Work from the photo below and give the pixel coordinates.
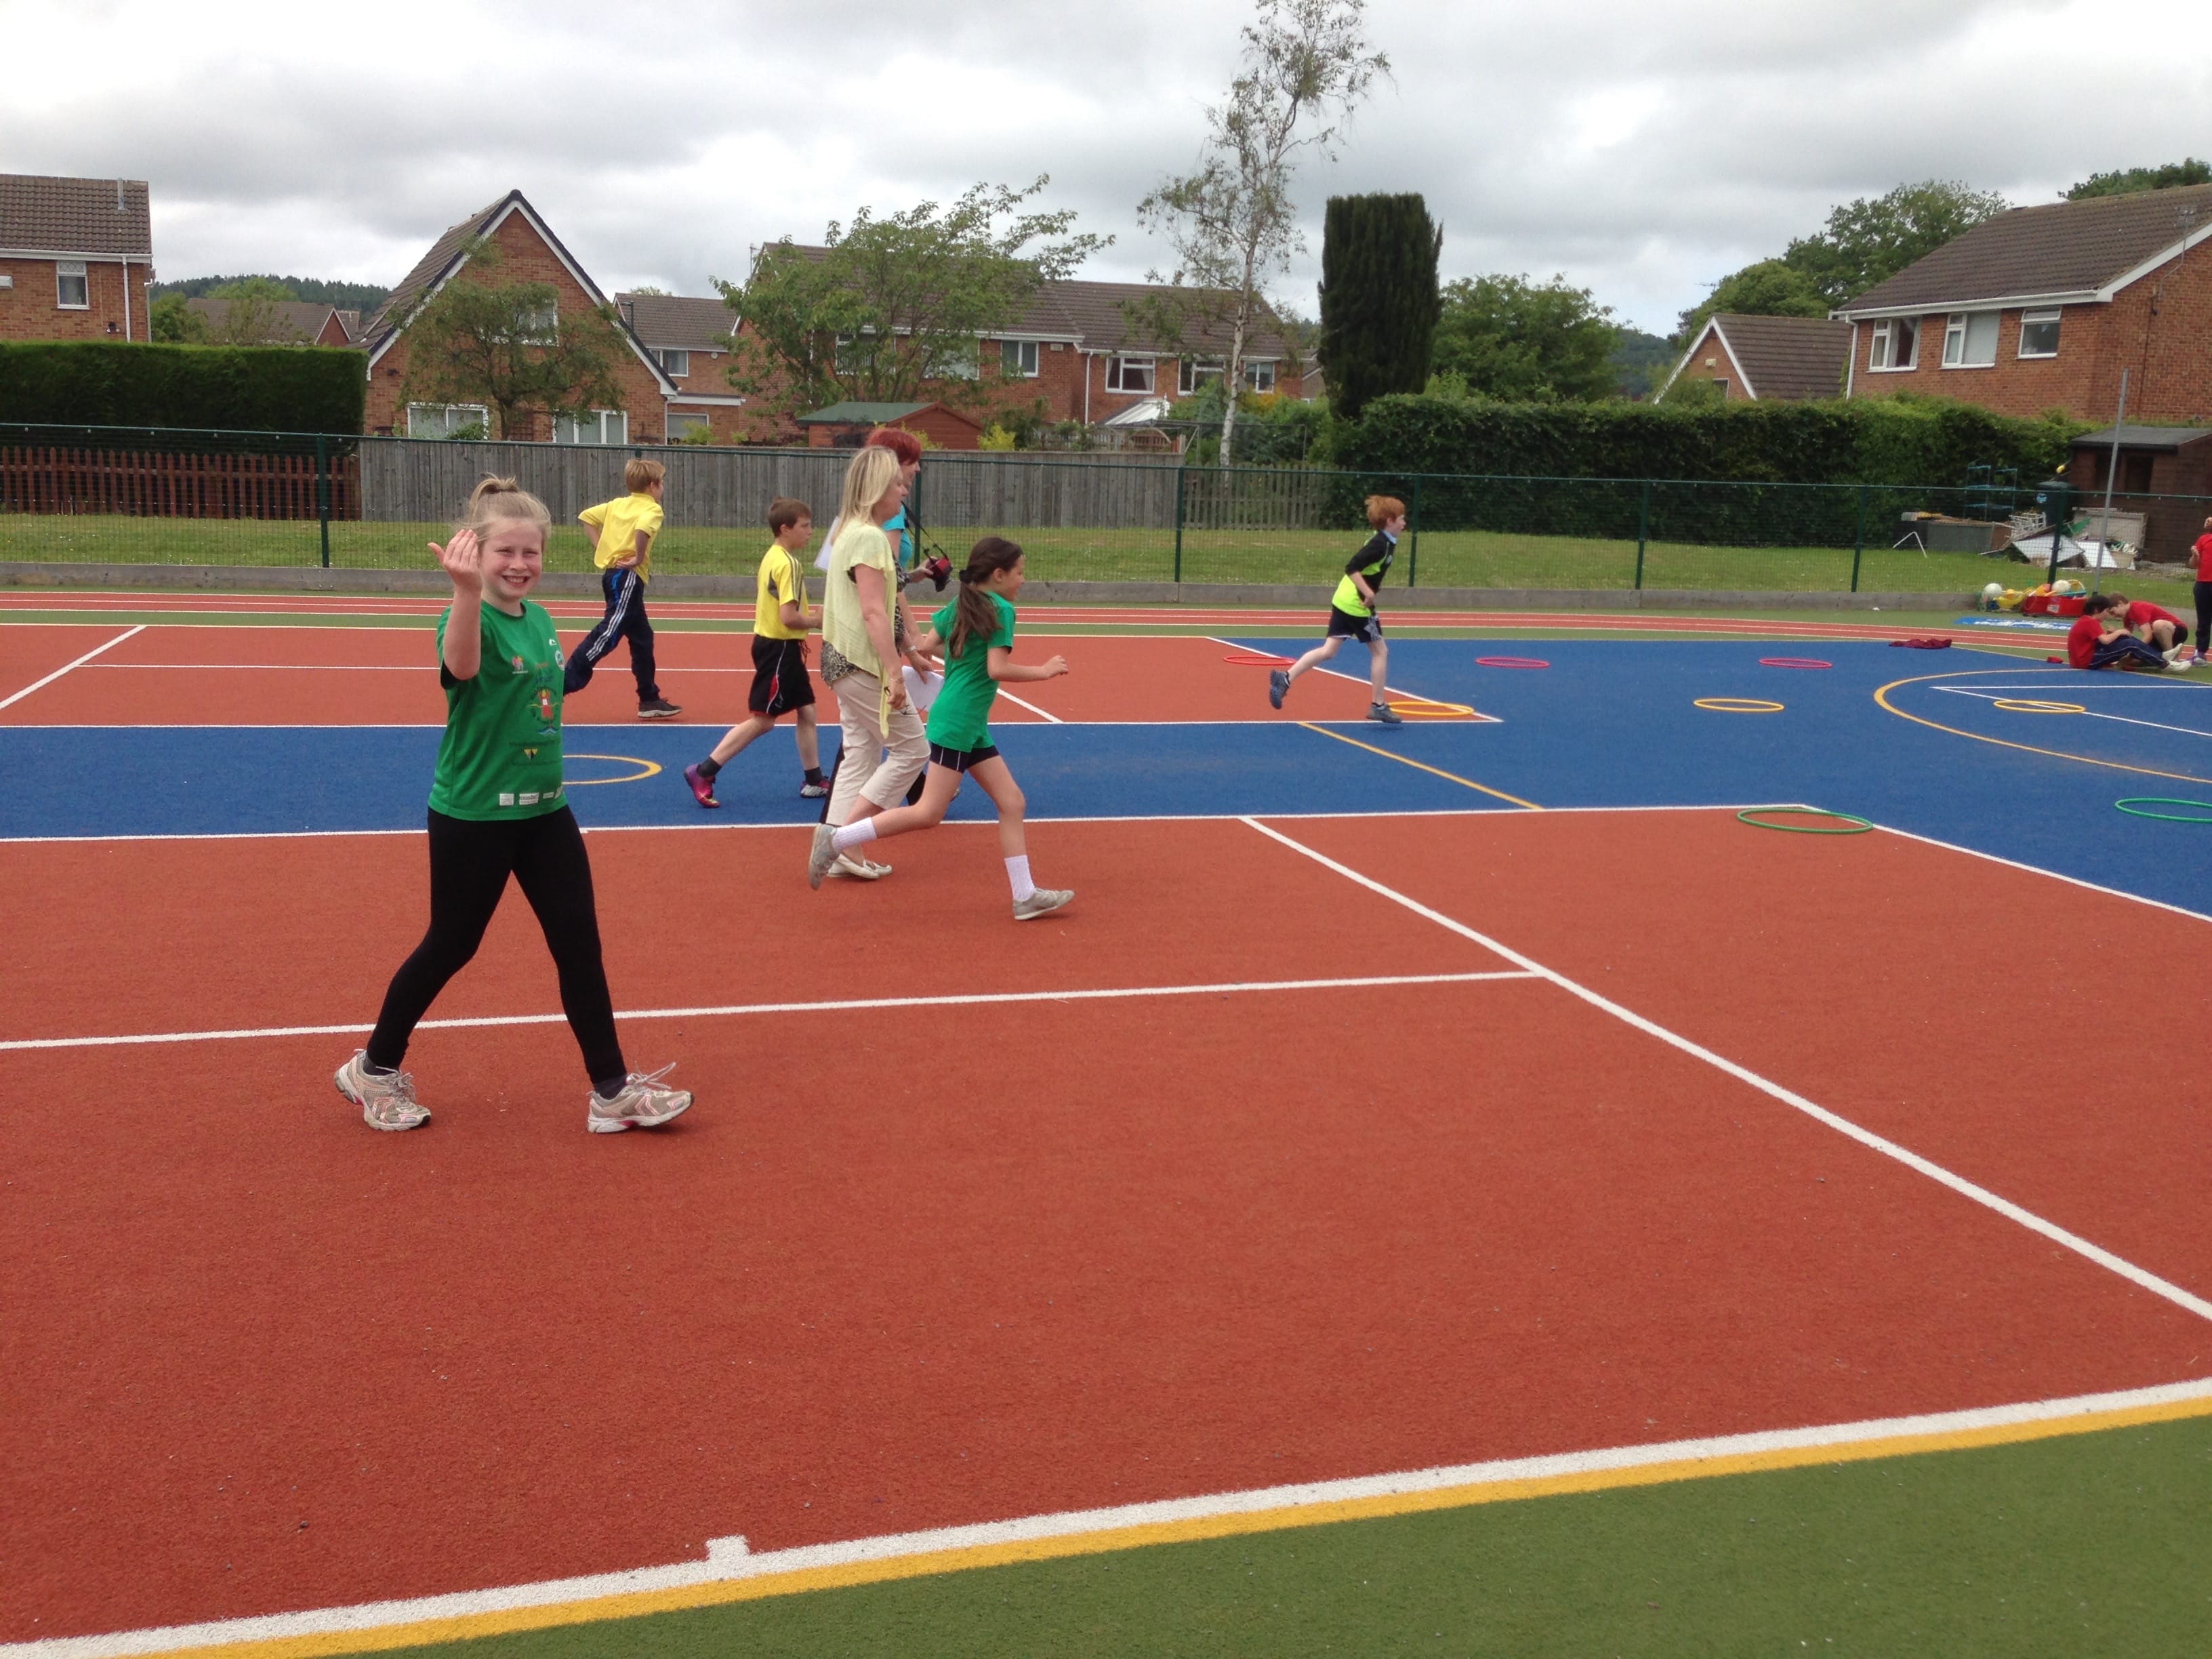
(1709, 361)
(28, 311)
(526, 258)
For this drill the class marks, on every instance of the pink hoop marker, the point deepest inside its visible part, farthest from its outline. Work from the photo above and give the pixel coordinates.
(1511, 662)
(1794, 662)
(1257, 659)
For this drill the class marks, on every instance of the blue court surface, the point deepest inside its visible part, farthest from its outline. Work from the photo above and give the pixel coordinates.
(2010, 757)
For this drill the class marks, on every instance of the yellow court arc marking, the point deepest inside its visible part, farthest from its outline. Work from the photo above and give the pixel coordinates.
(1421, 766)
(1881, 697)
(1427, 708)
(1738, 705)
(649, 769)
(2037, 706)
(1107, 1541)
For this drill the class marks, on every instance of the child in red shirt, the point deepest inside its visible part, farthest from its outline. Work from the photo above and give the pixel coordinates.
(2153, 623)
(2201, 557)
(2097, 641)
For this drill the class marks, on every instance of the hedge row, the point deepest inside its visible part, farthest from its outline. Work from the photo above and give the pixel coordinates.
(236, 388)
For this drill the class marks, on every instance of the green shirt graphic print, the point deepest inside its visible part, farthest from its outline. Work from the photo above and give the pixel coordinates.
(500, 755)
(960, 718)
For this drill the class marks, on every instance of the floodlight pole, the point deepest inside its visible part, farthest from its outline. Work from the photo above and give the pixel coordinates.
(2112, 471)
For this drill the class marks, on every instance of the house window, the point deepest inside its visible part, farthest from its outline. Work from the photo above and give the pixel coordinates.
(1260, 374)
(682, 426)
(1128, 373)
(71, 291)
(1721, 385)
(678, 364)
(2038, 334)
(1896, 343)
(600, 426)
(1017, 359)
(1970, 339)
(953, 359)
(447, 420)
(1193, 373)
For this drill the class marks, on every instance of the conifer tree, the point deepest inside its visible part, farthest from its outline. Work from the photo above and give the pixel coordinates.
(1378, 297)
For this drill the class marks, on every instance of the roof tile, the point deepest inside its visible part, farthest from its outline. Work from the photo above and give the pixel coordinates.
(100, 217)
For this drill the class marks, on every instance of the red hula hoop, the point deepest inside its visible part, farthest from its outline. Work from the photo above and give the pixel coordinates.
(1511, 662)
(1258, 659)
(1794, 662)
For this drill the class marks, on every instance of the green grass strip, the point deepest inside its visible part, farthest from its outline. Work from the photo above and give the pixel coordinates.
(2075, 1547)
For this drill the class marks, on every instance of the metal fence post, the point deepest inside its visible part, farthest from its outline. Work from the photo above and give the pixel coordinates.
(1181, 472)
(1643, 532)
(1858, 551)
(1413, 536)
(323, 493)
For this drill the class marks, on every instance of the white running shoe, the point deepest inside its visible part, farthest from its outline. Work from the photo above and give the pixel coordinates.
(859, 869)
(822, 854)
(643, 1103)
(387, 1102)
(1041, 903)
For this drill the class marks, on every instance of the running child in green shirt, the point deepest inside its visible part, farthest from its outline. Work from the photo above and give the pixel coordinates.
(977, 635)
(496, 810)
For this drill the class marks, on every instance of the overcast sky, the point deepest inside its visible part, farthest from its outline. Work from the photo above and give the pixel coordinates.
(1645, 147)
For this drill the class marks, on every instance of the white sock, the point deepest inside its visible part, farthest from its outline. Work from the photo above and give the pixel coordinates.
(857, 833)
(1017, 871)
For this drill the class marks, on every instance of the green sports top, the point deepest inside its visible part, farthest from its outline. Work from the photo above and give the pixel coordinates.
(500, 755)
(960, 717)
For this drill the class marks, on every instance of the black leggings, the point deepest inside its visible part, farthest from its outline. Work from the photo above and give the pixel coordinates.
(470, 863)
(2203, 617)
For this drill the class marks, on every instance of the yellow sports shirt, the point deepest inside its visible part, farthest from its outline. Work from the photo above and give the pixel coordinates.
(617, 524)
(781, 584)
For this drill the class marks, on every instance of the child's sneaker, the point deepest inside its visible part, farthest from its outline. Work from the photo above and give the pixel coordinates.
(1042, 903)
(822, 854)
(813, 791)
(1279, 683)
(859, 869)
(643, 1103)
(1384, 713)
(702, 787)
(657, 708)
(386, 1100)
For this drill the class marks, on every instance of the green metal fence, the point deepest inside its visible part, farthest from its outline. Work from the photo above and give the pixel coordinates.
(130, 496)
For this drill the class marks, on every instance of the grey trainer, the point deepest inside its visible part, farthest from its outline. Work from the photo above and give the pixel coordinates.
(1279, 682)
(1042, 903)
(822, 854)
(1384, 714)
(387, 1102)
(643, 1103)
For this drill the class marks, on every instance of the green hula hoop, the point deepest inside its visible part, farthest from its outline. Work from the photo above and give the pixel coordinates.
(1852, 826)
(2133, 806)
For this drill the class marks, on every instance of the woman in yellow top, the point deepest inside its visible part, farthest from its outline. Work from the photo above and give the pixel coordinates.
(885, 746)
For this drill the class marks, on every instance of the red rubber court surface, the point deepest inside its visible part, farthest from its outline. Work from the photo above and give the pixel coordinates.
(172, 675)
(911, 1268)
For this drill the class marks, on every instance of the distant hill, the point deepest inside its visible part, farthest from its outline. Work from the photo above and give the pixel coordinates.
(1641, 361)
(363, 297)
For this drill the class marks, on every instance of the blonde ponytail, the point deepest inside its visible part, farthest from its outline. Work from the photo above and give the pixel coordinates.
(496, 500)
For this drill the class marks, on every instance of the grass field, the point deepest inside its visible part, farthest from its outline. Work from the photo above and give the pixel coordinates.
(1439, 559)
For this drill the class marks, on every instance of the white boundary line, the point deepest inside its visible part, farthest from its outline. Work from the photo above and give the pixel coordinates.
(729, 1561)
(970, 999)
(7, 703)
(2086, 714)
(2035, 870)
(1046, 714)
(2141, 1277)
(1478, 717)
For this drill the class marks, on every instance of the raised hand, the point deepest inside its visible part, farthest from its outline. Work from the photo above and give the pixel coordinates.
(463, 559)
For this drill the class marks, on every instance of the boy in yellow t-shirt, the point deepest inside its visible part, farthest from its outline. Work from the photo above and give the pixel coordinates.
(625, 530)
(780, 683)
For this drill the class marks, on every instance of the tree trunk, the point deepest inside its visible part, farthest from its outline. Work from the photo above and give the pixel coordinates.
(1232, 374)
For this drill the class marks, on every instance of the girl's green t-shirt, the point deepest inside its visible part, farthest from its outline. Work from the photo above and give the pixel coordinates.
(960, 718)
(500, 755)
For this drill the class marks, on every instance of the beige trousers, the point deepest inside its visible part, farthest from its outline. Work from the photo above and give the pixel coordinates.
(880, 759)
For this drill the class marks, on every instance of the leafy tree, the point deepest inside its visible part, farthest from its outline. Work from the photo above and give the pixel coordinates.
(508, 346)
(2189, 171)
(1378, 297)
(1867, 242)
(352, 296)
(1640, 362)
(249, 316)
(1509, 338)
(1772, 288)
(175, 323)
(897, 303)
(1231, 222)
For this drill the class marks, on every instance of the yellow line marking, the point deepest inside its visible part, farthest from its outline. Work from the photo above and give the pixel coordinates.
(652, 770)
(1738, 705)
(1881, 697)
(1422, 766)
(2037, 706)
(725, 1592)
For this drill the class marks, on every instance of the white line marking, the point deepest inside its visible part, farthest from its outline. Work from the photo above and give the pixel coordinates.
(729, 1561)
(728, 1010)
(1041, 714)
(2004, 1207)
(2032, 870)
(6, 702)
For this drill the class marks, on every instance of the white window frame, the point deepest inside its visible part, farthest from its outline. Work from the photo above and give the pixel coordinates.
(1122, 371)
(1885, 346)
(2056, 317)
(1018, 360)
(449, 418)
(1958, 337)
(955, 360)
(609, 426)
(676, 363)
(64, 271)
(1192, 372)
(1254, 379)
(692, 420)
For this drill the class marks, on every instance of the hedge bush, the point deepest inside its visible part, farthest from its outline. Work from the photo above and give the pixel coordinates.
(234, 388)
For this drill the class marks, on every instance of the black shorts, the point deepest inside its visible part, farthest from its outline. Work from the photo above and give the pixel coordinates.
(780, 683)
(961, 759)
(1342, 624)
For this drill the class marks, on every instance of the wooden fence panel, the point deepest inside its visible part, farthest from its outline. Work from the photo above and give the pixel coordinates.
(65, 478)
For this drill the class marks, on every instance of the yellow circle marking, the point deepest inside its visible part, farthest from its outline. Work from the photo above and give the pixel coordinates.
(1422, 708)
(1882, 697)
(2035, 706)
(1739, 705)
(649, 769)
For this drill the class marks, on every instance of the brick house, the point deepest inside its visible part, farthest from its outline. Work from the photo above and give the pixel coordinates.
(846, 425)
(690, 339)
(76, 258)
(2150, 467)
(529, 252)
(1768, 359)
(291, 322)
(2043, 307)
